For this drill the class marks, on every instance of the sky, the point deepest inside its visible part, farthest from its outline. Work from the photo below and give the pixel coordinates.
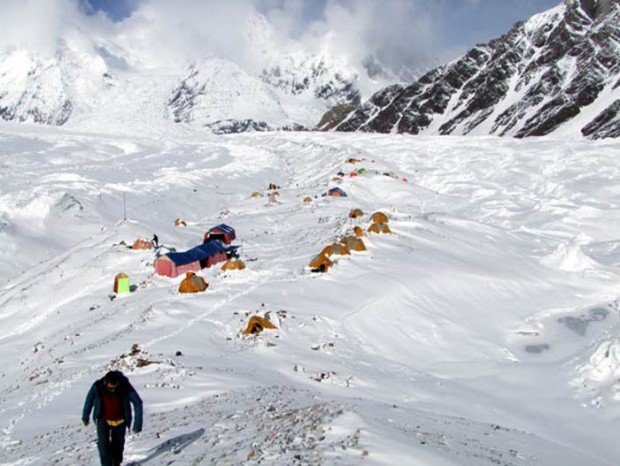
(401, 34)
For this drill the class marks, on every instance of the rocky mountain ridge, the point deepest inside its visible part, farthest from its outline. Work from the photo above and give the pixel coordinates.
(560, 70)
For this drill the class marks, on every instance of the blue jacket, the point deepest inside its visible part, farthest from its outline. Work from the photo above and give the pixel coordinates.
(129, 395)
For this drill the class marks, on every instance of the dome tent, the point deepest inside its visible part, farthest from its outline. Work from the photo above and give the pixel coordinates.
(192, 283)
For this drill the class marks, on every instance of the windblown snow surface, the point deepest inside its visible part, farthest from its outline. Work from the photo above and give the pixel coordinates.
(484, 330)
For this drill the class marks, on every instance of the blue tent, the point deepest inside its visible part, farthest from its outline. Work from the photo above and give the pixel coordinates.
(222, 232)
(336, 192)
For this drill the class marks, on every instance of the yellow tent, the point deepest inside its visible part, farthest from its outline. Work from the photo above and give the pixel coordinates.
(336, 249)
(307, 199)
(256, 194)
(192, 283)
(257, 324)
(353, 243)
(233, 264)
(356, 213)
(358, 231)
(379, 228)
(321, 263)
(379, 217)
(178, 223)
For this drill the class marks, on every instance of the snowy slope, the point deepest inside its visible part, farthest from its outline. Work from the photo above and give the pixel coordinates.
(484, 330)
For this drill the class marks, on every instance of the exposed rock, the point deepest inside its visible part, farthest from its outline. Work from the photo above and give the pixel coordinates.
(528, 82)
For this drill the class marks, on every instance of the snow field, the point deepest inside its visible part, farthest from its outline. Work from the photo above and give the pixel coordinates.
(482, 331)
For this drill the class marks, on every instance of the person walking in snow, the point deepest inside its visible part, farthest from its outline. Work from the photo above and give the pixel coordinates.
(110, 399)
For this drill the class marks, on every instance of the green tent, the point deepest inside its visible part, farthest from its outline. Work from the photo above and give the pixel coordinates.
(121, 283)
(361, 171)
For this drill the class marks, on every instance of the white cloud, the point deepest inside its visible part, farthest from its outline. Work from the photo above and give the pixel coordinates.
(165, 33)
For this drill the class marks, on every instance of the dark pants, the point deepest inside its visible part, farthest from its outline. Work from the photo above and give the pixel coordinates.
(110, 442)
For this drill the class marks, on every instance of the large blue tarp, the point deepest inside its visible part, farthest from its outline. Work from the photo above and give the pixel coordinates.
(197, 253)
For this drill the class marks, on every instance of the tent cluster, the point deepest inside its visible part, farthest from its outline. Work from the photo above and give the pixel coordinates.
(272, 193)
(216, 247)
(322, 262)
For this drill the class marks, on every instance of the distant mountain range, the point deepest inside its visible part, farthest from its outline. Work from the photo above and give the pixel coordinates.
(556, 72)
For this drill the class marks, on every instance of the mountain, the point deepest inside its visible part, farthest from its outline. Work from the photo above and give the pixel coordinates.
(557, 72)
(96, 83)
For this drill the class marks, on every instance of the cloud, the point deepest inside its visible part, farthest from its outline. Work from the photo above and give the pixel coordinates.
(38, 25)
(398, 34)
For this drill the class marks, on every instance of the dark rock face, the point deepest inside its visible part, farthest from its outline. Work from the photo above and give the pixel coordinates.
(248, 125)
(606, 124)
(527, 82)
(184, 96)
(334, 117)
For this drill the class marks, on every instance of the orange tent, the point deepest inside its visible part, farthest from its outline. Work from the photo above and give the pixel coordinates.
(379, 228)
(358, 231)
(353, 243)
(321, 263)
(336, 249)
(307, 199)
(379, 217)
(141, 243)
(233, 264)
(192, 283)
(257, 324)
(356, 213)
(178, 223)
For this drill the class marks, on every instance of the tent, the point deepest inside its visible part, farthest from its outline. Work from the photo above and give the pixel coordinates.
(352, 160)
(180, 223)
(222, 232)
(273, 186)
(361, 171)
(256, 194)
(356, 213)
(142, 243)
(336, 249)
(121, 283)
(379, 228)
(353, 174)
(307, 199)
(336, 179)
(358, 231)
(192, 283)
(321, 263)
(257, 324)
(174, 264)
(353, 243)
(379, 217)
(336, 192)
(233, 264)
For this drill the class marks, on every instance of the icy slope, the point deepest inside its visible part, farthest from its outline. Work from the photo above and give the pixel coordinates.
(482, 331)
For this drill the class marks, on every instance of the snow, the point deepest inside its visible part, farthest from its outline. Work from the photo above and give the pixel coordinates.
(483, 330)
